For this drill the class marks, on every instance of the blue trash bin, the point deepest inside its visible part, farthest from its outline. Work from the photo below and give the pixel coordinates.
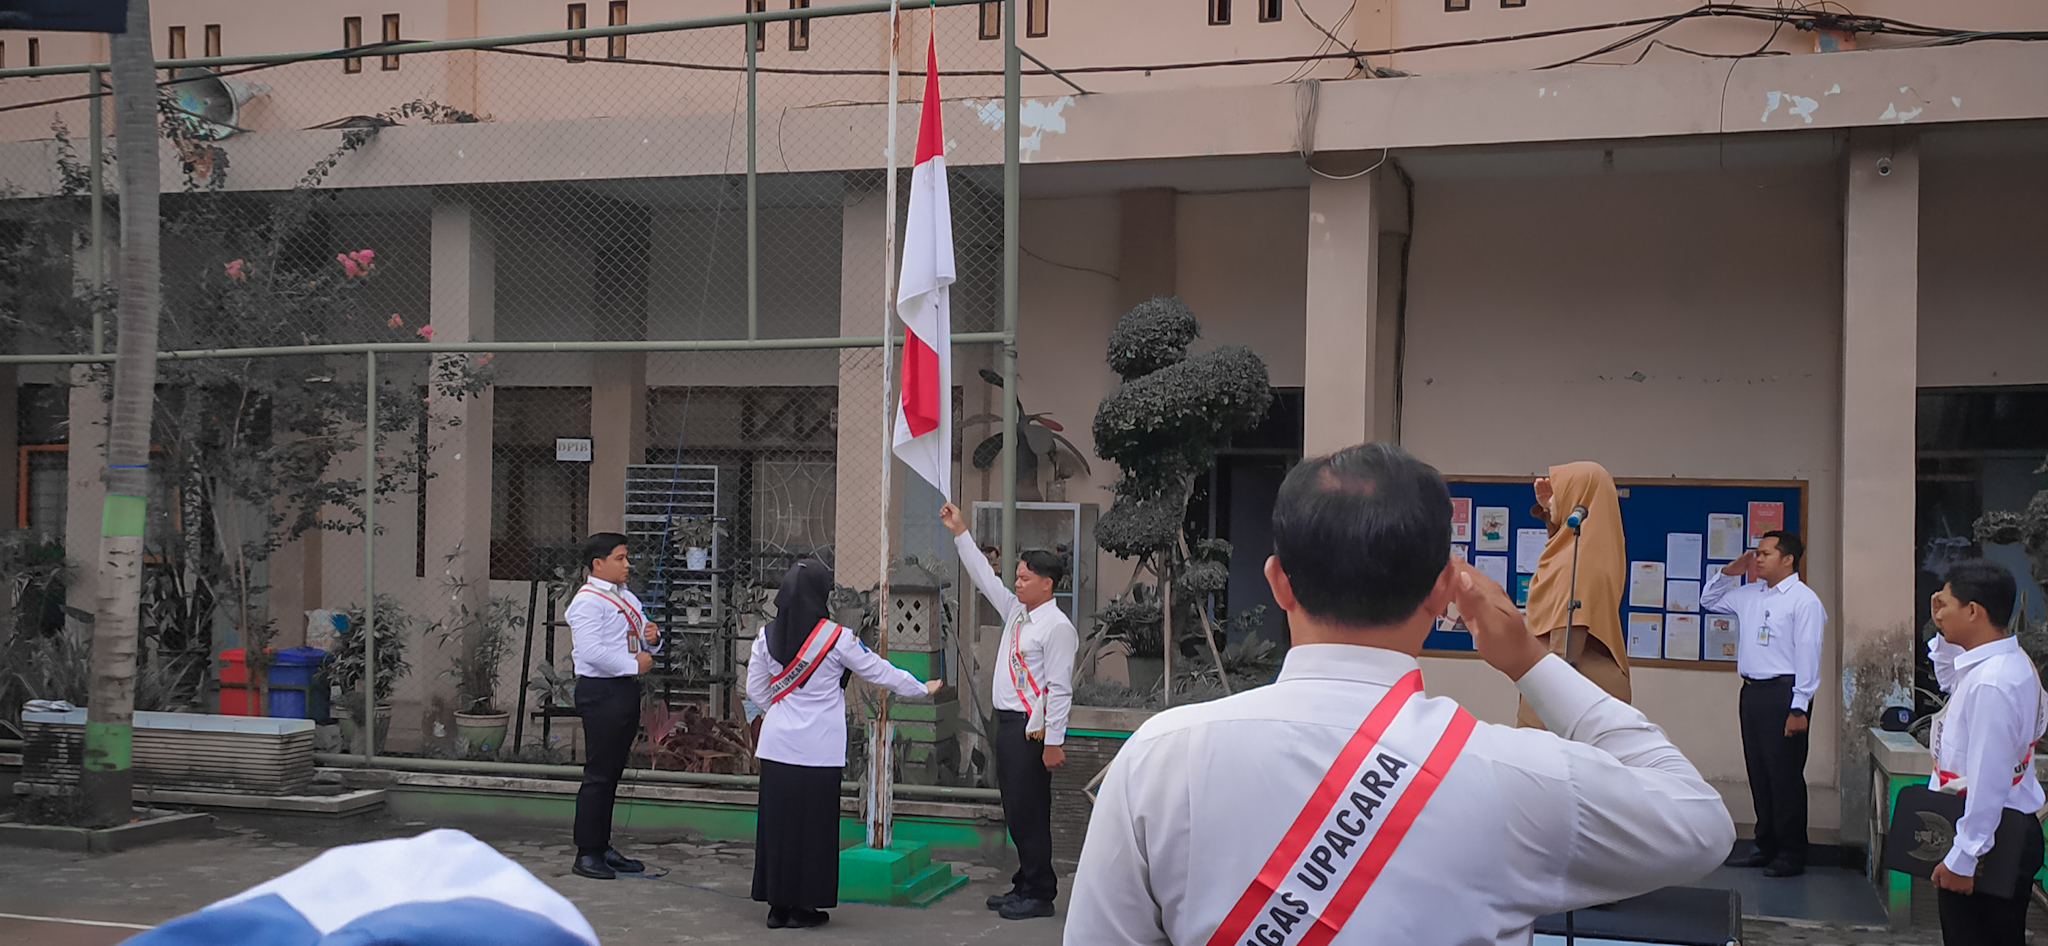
(293, 666)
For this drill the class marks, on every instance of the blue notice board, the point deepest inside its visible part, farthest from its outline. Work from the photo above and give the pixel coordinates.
(1671, 529)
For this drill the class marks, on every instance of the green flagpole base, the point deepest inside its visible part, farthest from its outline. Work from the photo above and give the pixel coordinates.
(904, 875)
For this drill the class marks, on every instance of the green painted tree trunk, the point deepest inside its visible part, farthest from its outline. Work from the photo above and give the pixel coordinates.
(107, 781)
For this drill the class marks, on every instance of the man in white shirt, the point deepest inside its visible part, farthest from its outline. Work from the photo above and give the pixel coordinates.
(1033, 689)
(1777, 653)
(612, 643)
(1984, 748)
(1340, 804)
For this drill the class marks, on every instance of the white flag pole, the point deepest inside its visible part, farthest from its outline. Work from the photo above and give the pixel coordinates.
(881, 789)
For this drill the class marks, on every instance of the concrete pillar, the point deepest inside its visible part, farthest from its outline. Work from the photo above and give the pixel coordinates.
(618, 433)
(860, 501)
(10, 446)
(1343, 304)
(85, 466)
(459, 492)
(1880, 293)
(1147, 246)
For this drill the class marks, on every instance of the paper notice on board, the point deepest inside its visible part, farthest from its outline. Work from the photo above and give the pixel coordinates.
(1724, 537)
(1682, 596)
(1646, 585)
(1529, 545)
(1522, 590)
(1681, 637)
(1461, 519)
(1718, 632)
(1494, 567)
(1491, 525)
(1645, 636)
(1764, 517)
(1682, 554)
(1462, 553)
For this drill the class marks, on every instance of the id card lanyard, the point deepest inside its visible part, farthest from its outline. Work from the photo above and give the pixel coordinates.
(1763, 630)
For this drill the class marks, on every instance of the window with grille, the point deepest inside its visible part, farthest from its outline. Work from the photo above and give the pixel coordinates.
(615, 46)
(800, 30)
(175, 48)
(1269, 11)
(579, 18)
(213, 39)
(992, 21)
(1034, 17)
(390, 63)
(760, 32)
(352, 37)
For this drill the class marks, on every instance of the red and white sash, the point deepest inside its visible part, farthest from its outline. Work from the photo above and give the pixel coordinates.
(1356, 818)
(1029, 690)
(634, 619)
(808, 657)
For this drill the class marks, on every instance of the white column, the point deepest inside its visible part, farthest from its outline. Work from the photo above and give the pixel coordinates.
(459, 489)
(1343, 305)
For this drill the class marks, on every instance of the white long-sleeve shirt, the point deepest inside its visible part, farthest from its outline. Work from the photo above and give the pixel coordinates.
(1524, 823)
(598, 631)
(1983, 742)
(1780, 630)
(809, 726)
(1047, 639)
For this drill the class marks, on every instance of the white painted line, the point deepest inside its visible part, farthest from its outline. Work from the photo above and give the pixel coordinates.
(61, 919)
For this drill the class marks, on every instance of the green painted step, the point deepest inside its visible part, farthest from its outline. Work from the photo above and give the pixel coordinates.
(902, 875)
(932, 883)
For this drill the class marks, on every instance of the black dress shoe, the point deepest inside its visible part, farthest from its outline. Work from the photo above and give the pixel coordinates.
(778, 917)
(804, 919)
(621, 863)
(1024, 908)
(593, 867)
(1784, 867)
(1754, 858)
(996, 902)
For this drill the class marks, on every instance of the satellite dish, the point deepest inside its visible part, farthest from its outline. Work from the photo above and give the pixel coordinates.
(209, 104)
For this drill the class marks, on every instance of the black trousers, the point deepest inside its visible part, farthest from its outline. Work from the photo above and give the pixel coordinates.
(796, 836)
(1027, 805)
(610, 707)
(1981, 919)
(1777, 768)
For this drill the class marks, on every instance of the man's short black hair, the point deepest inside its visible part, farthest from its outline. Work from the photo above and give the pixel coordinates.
(1044, 564)
(1363, 534)
(1975, 580)
(601, 545)
(1788, 543)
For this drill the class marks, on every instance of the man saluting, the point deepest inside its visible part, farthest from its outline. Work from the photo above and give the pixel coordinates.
(1341, 803)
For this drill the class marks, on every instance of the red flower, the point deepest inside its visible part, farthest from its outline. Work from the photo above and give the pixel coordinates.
(397, 321)
(427, 332)
(238, 270)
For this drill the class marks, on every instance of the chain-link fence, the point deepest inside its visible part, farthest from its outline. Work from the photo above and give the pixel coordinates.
(576, 283)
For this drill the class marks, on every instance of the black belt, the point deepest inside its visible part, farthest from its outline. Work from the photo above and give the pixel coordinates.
(1780, 678)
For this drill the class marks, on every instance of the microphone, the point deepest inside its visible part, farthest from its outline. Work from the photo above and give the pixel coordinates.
(1578, 516)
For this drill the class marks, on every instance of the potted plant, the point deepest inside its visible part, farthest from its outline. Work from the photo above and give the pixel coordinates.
(483, 641)
(695, 600)
(554, 690)
(695, 535)
(344, 665)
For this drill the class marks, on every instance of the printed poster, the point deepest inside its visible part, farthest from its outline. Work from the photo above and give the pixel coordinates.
(1529, 545)
(1724, 537)
(1462, 553)
(1494, 567)
(1682, 554)
(1682, 596)
(1718, 633)
(1492, 525)
(1764, 517)
(1645, 636)
(1522, 589)
(1461, 519)
(1646, 585)
(1681, 637)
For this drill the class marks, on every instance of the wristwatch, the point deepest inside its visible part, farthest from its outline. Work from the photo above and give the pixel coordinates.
(1799, 712)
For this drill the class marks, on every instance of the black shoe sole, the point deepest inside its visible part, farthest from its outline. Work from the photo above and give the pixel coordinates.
(593, 875)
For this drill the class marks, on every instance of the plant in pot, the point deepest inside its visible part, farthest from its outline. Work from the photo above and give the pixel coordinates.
(554, 692)
(481, 640)
(695, 535)
(344, 665)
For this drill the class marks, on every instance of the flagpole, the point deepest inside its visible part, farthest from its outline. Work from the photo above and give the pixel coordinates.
(880, 787)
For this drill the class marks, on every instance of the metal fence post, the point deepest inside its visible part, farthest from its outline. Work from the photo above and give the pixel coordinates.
(1013, 84)
(754, 33)
(369, 726)
(98, 186)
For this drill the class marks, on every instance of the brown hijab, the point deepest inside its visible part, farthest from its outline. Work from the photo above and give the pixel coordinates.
(1603, 559)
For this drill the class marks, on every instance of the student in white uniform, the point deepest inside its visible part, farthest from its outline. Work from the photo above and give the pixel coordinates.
(798, 671)
(1777, 654)
(1340, 800)
(1984, 748)
(613, 645)
(1033, 689)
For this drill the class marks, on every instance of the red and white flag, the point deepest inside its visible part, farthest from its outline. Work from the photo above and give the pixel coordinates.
(924, 416)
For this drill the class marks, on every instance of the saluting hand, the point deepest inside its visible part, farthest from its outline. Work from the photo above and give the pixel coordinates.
(1498, 631)
(1543, 492)
(1743, 565)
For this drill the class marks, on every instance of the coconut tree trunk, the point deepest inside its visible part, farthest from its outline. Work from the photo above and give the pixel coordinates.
(107, 781)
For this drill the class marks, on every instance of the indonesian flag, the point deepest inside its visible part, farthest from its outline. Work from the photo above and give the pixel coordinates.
(924, 416)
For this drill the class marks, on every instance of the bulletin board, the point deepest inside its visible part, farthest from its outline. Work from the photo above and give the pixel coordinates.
(1679, 531)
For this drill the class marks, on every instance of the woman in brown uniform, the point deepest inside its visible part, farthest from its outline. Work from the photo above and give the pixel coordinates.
(1599, 650)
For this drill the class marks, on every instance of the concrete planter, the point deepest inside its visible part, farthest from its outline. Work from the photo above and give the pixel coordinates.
(180, 751)
(1094, 736)
(483, 731)
(155, 827)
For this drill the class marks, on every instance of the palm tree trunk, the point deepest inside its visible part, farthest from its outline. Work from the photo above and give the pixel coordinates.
(106, 781)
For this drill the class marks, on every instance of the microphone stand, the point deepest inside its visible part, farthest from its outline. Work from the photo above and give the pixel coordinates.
(1571, 615)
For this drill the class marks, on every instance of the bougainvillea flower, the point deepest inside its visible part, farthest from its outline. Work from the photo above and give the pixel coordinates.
(397, 321)
(238, 270)
(427, 332)
(347, 265)
(485, 358)
(358, 263)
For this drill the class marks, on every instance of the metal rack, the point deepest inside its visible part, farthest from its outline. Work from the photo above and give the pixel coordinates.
(696, 665)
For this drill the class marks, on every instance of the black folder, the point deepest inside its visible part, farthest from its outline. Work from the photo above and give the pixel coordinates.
(1924, 827)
